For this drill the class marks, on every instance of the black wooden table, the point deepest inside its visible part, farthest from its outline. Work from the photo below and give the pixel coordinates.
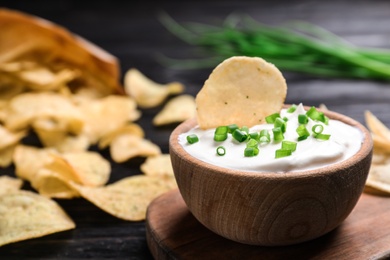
(131, 31)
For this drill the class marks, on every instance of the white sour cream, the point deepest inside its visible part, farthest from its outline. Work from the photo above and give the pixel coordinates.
(310, 154)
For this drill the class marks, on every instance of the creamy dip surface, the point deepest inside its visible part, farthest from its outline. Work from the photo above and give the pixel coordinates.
(344, 142)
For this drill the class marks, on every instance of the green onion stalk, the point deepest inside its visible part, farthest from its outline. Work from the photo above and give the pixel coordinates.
(295, 46)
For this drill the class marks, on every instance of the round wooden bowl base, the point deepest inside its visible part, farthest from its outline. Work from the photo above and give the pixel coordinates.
(173, 233)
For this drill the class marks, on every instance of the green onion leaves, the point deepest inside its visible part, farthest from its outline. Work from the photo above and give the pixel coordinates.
(317, 132)
(240, 135)
(292, 108)
(298, 46)
(316, 115)
(302, 132)
(232, 127)
(252, 148)
(271, 118)
(303, 119)
(221, 151)
(191, 139)
(280, 123)
(264, 137)
(221, 133)
(278, 134)
(311, 124)
(288, 147)
(282, 153)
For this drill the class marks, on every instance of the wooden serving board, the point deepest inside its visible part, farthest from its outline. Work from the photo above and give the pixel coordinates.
(174, 233)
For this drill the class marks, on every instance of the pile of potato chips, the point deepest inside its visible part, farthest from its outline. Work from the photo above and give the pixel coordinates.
(378, 180)
(67, 92)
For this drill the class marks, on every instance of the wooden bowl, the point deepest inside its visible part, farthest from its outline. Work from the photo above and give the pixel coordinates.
(267, 208)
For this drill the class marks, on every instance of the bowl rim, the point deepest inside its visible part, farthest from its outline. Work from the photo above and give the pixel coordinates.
(364, 151)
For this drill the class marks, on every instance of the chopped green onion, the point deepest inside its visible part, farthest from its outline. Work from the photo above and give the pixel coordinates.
(322, 136)
(316, 115)
(221, 151)
(239, 135)
(326, 120)
(252, 143)
(251, 151)
(221, 130)
(271, 118)
(220, 138)
(264, 137)
(303, 119)
(245, 129)
(303, 137)
(292, 108)
(278, 134)
(252, 148)
(221, 133)
(302, 132)
(254, 135)
(317, 132)
(317, 129)
(232, 127)
(280, 123)
(289, 145)
(313, 113)
(282, 153)
(192, 138)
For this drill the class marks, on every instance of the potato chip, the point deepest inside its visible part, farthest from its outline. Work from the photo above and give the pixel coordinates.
(28, 160)
(131, 128)
(378, 180)
(25, 108)
(9, 87)
(25, 215)
(29, 37)
(59, 135)
(381, 144)
(6, 155)
(178, 109)
(14, 67)
(240, 84)
(8, 142)
(14, 52)
(9, 184)
(377, 127)
(72, 143)
(8, 138)
(36, 76)
(105, 115)
(52, 184)
(92, 169)
(86, 168)
(127, 146)
(61, 166)
(50, 131)
(379, 177)
(85, 94)
(128, 198)
(158, 165)
(42, 78)
(146, 92)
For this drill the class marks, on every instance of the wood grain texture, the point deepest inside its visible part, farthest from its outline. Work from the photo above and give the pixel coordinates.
(131, 31)
(365, 234)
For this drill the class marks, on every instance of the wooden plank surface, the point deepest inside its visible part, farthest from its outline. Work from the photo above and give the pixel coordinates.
(131, 31)
(365, 234)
